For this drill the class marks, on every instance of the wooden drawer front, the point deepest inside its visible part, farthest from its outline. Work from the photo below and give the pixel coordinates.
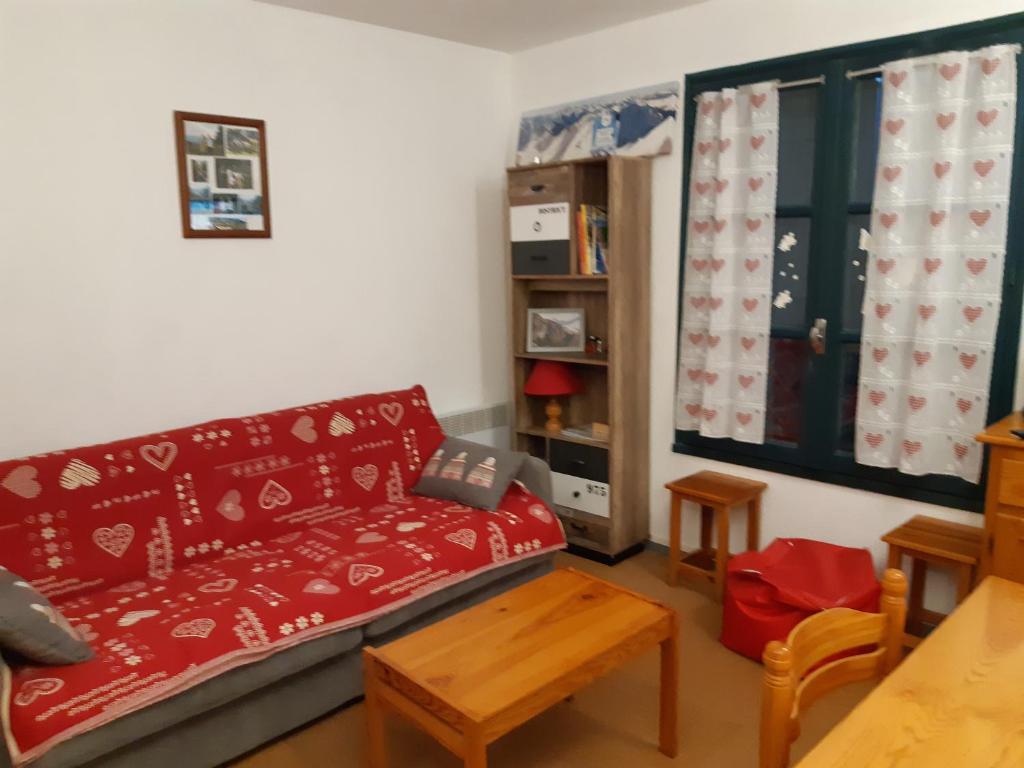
(538, 185)
(1008, 547)
(1011, 483)
(579, 493)
(578, 528)
(579, 460)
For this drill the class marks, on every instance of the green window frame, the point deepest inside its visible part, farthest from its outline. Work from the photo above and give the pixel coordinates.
(818, 455)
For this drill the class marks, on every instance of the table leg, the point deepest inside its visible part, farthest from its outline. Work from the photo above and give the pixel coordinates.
(668, 738)
(475, 755)
(754, 524)
(722, 555)
(376, 744)
(674, 536)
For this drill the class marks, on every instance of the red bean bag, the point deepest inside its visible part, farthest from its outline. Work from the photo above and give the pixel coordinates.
(768, 593)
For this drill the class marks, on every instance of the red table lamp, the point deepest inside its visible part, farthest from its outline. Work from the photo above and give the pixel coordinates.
(552, 379)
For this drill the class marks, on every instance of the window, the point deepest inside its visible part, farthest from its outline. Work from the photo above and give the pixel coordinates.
(829, 133)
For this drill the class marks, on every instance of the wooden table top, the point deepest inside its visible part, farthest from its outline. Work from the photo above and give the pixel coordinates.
(716, 487)
(957, 701)
(999, 433)
(488, 657)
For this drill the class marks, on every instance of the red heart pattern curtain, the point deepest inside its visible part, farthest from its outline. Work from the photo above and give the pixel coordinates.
(935, 269)
(724, 335)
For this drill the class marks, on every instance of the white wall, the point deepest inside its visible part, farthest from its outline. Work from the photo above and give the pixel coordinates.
(386, 181)
(708, 35)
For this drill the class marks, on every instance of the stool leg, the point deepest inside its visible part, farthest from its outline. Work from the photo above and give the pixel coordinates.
(674, 535)
(707, 520)
(895, 558)
(722, 556)
(965, 576)
(754, 524)
(918, 576)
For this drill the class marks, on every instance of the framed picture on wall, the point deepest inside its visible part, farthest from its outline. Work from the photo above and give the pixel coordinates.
(222, 175)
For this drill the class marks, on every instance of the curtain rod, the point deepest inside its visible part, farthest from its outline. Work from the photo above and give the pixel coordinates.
(781, 86)
(854, 73)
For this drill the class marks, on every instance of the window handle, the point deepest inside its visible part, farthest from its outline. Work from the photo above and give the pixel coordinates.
(818, 335)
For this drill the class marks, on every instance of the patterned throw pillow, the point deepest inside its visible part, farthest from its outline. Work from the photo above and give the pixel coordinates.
(469, 473)
(32, 627)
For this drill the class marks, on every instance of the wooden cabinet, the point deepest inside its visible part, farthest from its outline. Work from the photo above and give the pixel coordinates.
(602, 496)
(1002, 553)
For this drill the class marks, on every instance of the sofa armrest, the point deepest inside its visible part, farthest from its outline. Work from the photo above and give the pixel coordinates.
(536, 476)
(6, 761)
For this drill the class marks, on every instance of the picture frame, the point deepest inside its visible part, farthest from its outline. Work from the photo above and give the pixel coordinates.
(223, 185)
(556, 329)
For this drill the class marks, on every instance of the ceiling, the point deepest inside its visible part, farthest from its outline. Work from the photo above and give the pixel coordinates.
(504, 25)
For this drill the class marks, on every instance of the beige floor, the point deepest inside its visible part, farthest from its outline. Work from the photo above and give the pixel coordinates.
(611, 723)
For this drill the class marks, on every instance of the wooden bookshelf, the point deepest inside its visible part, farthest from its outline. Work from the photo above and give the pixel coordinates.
(615, 385)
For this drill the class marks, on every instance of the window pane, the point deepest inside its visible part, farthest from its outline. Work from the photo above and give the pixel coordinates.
(867, 114)
(789, 283)
(848, 396)
(787, 366)
(798, 117)
(855, 265)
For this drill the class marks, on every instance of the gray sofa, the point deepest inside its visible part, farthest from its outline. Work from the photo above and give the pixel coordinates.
(246, 707)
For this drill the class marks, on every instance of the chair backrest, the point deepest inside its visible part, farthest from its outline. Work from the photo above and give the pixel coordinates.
(823, 652)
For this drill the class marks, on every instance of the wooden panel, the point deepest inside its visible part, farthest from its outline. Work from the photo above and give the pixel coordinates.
(629, 227)
(1011, 483)
(1008, 547)
(955, 702)
(539, 185)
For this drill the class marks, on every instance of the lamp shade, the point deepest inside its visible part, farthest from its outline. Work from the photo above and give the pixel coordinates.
(552, 378)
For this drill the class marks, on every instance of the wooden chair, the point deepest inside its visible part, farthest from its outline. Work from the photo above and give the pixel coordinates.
(799, 671)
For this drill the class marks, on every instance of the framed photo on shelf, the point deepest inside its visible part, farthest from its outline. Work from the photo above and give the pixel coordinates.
(555, 329)
(222, 175)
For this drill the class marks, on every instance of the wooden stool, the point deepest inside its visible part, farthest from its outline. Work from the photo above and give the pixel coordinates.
(928, 540)
(716, 494)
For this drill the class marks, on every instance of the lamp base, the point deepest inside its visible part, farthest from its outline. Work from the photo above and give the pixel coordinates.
(553, 411)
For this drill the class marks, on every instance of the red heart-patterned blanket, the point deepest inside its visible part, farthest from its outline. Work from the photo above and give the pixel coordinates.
(181, 555)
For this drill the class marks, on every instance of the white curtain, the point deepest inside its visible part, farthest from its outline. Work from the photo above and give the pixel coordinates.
(935, 272)
(723, 340)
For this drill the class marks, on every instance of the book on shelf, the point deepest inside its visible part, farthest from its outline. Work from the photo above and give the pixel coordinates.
(592, 240)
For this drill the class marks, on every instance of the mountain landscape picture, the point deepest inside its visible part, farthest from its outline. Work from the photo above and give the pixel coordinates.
(635, 122)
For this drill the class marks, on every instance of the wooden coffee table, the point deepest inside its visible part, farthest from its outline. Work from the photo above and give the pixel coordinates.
(475, 676)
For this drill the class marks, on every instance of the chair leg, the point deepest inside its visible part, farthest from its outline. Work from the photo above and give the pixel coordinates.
(668, 736)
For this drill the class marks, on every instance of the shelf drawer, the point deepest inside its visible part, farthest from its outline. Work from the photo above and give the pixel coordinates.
(585, 532)
(580, 494)
(538, 185)
(1011, 483)
(580, 460)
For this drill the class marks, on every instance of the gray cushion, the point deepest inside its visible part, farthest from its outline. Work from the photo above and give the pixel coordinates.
(469, 473)
(33, 628)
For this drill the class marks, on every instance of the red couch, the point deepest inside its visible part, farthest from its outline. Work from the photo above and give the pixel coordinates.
(182, 555)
